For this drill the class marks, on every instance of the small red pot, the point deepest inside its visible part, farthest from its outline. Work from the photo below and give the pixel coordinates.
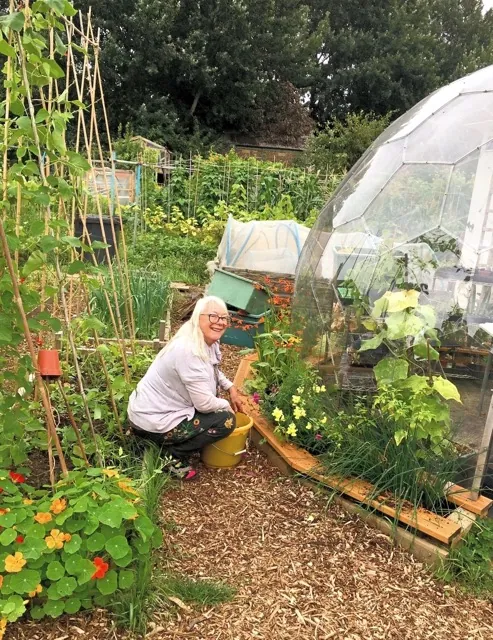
(49, 364)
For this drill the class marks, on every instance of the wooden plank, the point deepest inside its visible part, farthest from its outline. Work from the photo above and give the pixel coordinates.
(461, 497)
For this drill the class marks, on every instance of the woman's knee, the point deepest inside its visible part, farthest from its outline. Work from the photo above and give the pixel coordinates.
(225, 425)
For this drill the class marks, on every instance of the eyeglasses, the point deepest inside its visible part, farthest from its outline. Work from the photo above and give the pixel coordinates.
(215, 319)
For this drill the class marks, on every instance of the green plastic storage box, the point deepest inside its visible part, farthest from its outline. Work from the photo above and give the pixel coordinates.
(242, 335)
(238, 292)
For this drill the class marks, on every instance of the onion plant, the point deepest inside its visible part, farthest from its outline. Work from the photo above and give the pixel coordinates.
(150, 299)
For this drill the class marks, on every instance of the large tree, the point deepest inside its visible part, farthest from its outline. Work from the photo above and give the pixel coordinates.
(171, 66)
(385, 55)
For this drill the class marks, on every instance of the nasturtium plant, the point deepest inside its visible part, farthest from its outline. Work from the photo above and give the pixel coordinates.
(71, 549)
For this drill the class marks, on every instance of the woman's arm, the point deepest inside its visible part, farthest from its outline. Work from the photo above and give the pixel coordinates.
(198, 384)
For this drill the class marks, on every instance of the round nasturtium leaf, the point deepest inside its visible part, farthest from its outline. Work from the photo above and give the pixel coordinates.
(33, 548)
(8, 536)
(95, 542)
(25, 581)
(117, 547)
(126, 579)
(55, 570)
(73, 545)
(66, 586)
(8, 519)
(125, 561)
(54, 608)
(110, 515)
(14, 608)
(37, 612)
(72, 605)
(36, 531)
(108, 584)
(52, 592)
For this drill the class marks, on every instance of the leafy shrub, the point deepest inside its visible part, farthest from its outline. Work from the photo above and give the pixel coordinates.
(73, 549)
(341, 143)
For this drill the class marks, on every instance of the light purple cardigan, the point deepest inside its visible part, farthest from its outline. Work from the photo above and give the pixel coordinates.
(176, 385)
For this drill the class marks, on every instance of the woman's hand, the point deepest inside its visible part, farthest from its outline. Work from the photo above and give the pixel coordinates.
(235, 401)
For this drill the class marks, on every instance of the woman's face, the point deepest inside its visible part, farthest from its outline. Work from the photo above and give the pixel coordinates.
(213, 322)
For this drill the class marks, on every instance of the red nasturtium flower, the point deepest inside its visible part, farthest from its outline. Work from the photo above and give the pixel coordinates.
(101, 568)
(17, 477)
(20, 539)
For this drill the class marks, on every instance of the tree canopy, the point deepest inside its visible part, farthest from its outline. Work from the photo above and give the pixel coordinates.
(184, 72)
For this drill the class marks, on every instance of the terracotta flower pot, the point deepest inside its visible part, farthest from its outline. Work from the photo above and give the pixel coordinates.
(49, 364)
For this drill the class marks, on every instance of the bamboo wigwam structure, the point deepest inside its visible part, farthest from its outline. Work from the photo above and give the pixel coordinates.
(55, 120)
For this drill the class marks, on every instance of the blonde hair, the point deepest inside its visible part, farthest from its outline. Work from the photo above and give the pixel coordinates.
(191, 330)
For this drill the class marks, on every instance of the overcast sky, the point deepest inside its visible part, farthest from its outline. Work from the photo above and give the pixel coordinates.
(488, 4)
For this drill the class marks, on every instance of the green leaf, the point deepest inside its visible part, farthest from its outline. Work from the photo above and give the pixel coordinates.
(14, 21)
(13, 609)
(66, 586)
(144, 526)
(8, 519)
(33, 547)
(54, 608)
(7, 537)
(78, 161)
(35, 261)
(72, 241)
(97, 244)
(110, 515)
(72, 605)
(53, 69)
(37, 612)
(126, 560)
(108, 584)
(402, 324)
(126, 579)
(389, 370)
(25, 581)
(400, 300)
(55, 570)
(415, 383)
(399, 436)
(73, 545)
(446, 389)
(6, 49)
(117, 547)
(95, 542)
(373, 343)
(421, 351)
(76, 267)
(48, 243)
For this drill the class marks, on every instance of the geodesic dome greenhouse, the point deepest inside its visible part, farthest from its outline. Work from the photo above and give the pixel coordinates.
(415, 213)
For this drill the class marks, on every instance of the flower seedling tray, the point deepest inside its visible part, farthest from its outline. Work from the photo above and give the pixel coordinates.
(238, 292)
(438, 533)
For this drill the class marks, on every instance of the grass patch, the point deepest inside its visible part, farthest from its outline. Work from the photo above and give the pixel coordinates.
(470, 564)
(137, 605)
(205, 593)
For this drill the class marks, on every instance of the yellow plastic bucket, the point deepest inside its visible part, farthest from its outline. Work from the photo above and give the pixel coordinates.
(227, 452)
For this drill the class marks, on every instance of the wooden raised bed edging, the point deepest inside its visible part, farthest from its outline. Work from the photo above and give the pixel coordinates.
(442, 532)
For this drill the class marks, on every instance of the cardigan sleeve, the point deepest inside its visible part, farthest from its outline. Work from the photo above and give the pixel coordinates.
(196, 379)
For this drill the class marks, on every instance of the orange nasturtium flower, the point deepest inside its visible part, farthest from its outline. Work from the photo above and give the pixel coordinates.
(111, 473)
(17, 477)
(56, 539)
(1, 581)
(34, 593)
(27, 501)
(58, 505)
(43, 517)
(126, 487)
(4, 511)
(14, 564)
(101, 568)
(3, 626)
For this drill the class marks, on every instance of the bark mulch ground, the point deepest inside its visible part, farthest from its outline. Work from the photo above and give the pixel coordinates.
(302, 569)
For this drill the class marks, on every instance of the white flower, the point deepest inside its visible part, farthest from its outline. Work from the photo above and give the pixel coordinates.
(21, 391)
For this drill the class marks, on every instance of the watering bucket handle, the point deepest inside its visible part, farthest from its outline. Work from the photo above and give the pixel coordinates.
(227, 453)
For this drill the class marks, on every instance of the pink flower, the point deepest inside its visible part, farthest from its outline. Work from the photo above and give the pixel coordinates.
(318, 436)
(256, 398)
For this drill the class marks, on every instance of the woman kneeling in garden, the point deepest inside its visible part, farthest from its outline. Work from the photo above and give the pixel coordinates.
(175, 404)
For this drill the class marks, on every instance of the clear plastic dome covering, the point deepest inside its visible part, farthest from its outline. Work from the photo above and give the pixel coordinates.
(415, 212)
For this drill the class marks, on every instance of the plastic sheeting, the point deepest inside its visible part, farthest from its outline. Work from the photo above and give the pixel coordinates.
(271, 245)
